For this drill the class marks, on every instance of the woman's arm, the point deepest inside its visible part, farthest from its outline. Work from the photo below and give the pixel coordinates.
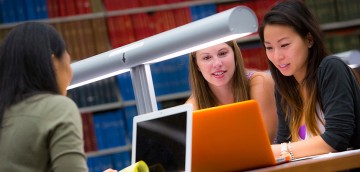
(313, 146)
(66, 136)
(262, 90)
(336, 92)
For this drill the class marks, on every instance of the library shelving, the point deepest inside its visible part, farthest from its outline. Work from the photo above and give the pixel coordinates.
(91, 27)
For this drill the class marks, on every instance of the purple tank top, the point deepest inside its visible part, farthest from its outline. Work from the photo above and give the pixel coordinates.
(302, 132)
(249, 75)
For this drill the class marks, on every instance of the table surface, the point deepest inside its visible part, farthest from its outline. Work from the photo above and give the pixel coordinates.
(328, 162)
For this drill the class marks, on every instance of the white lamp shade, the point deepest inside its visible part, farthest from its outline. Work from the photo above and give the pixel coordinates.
(221, 27)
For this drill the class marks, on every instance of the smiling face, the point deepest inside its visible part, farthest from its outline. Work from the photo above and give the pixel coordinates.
(287, 50)
(217, 64)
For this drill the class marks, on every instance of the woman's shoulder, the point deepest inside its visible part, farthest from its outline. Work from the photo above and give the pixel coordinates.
(333, 65)
(261, 77)
(331, 61)
(52, 99)
(192, 101)
(50, 103)
(49, 108)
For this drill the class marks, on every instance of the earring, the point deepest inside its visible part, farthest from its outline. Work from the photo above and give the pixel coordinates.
(310, 45)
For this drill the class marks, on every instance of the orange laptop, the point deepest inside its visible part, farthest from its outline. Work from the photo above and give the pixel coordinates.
(230, 138)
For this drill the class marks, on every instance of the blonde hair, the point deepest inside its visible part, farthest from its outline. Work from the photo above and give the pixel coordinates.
(201, 91)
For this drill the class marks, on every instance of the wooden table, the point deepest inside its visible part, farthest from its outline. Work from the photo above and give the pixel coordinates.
(328, 162)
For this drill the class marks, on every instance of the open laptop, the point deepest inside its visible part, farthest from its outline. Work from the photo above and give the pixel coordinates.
(162, 139)
(230, 137)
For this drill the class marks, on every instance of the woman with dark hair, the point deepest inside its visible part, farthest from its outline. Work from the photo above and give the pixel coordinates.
(40, 128)
(218, 76)
(317, 95)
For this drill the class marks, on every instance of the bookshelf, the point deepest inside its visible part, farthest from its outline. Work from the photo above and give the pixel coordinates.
(325, 27)
(114, 105)
(134, 10)
(98, 29)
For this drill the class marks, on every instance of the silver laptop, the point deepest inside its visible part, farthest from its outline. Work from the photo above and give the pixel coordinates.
(162, 139)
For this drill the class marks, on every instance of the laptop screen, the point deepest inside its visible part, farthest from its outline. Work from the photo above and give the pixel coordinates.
(162, 139)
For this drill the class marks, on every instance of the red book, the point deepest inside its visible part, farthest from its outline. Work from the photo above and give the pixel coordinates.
(142, 25)
(133, 4)
(50, 8)
(158, 21)
(182, 16)
(160, 2)
(262, 7)
(90, 122)
(111, 22)
(100, 34)
(86, 132)
(129, 30)
(81, 39)
(226, 6)
(70, 7)
(90, 49)
(62, 7)
(146, 3)
(82, 6)
(75, 42)
(111, 5)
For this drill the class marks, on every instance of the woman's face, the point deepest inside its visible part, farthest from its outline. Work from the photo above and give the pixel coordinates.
(287, 50)
(63, 71)
(217, 64)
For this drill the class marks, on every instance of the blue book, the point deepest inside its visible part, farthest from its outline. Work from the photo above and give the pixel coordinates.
(202, 11)
(125, 85)
(2, 11)
(129, 113)
(108, 129)
(163, 76)
(121, 160)
(209, 9)
(113, 89)
(97, 119)
(20, 10)
(97, 93)
(120, 128)
(43, 10)
(113, 129)
(10, 7)
(183, 73)
(157, 74)
(30, 9)
(106, 162)
(194, 11)
(102, 163)
(91, 162)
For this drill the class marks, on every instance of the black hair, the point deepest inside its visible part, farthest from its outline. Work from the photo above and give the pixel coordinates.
(26, 66)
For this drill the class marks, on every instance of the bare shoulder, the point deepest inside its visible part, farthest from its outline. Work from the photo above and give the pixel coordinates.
(261, 78)
(192, 101)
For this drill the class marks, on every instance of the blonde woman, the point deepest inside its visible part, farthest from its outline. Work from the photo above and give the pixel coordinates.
(218, 77)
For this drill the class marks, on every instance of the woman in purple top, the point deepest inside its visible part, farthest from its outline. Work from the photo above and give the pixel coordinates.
(218, 77)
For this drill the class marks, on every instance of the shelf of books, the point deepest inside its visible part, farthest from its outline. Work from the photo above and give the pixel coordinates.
(91, 27)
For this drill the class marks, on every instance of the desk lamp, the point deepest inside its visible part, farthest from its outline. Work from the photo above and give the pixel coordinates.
(136, 57)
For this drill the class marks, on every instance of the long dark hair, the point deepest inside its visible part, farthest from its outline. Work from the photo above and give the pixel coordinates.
(295, 14)
(26, 66)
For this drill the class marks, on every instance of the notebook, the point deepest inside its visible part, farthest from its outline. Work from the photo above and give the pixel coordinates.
(230, 137)
(162, 139)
